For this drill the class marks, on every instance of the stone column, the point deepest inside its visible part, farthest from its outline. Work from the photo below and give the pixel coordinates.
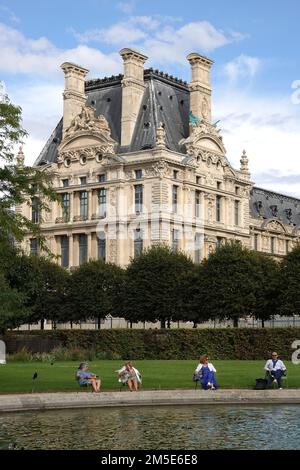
(74, 92)
(89, 246)
(90, 204)
(200, 89)
(71, 251)
(132, 91)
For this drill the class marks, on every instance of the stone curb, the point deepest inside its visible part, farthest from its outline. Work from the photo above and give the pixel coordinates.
(50, 401)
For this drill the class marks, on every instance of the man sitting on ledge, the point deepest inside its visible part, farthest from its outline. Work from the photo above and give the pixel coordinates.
(275, 369)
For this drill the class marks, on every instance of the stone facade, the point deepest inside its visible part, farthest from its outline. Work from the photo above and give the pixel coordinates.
(137, 161)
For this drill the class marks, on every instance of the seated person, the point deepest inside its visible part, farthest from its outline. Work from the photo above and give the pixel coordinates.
(206, 373)
(275, 369)
(84, 377)
(130, 375)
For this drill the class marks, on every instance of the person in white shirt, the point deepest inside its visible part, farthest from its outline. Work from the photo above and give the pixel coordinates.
(275, 369)
(205, 372)
(130, 375)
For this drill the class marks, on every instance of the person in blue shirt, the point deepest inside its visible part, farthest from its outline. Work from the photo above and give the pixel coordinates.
(84, 377)
(275, 369)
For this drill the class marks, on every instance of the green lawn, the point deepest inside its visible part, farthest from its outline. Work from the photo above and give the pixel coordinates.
(17, 377)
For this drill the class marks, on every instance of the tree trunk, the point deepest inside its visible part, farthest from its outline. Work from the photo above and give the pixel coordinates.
(262, 323)
(195, 324)
(236, 322)
(71, 325)
(98, 323)
(42, 324)
(168, 324)
(163, 323)
(130, 324)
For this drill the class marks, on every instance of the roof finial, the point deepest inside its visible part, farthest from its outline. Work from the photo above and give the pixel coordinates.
(244, 164)
(20, 157)
(160, 136)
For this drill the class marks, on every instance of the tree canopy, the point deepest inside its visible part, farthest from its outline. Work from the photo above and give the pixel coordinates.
(153, 290)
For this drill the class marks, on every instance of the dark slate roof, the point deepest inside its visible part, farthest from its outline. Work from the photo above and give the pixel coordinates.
(166, 99)
(271, 205)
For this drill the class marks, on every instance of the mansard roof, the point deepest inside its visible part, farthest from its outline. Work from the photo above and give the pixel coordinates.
(265, 204)
(166, 99)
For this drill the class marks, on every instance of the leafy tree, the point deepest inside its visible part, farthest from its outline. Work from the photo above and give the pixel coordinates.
(94, 291)
(289, 283)
(12, 311)
(267, 286)
(19, 183)
(153, 290)
(43, 284)
(194, 309)
(232, 283)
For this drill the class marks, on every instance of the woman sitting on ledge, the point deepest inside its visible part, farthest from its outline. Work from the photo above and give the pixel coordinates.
(130, 375)
(206, 373)
(85, 378)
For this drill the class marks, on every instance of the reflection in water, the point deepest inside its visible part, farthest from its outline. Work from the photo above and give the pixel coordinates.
(166, 427)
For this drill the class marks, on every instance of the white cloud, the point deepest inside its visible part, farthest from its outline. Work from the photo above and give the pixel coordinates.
(268, 128)
(242, 67)
(160, 39)
(22, 55)
(126, 7)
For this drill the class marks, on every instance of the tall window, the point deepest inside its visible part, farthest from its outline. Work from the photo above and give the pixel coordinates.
(101, 246)
(34, 211)
(83, 197)
(64, 251)
(197, 248)
(138, 198)
(138, 174)
(102, 202)
(174, 199)
(236, 212)
(65, 204)
(33, 246)
(102, 178)
(218, 208)
(175, 239)
(219, 242)
(82, 248)
(272, 245)
(138, 242)
(197, 203)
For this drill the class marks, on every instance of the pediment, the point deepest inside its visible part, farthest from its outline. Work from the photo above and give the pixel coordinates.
(87, 130)
(210, 144)
(273, 225)
(203, 136)
(81, 140)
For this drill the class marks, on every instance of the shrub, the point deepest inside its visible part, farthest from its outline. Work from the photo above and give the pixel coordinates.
(220, 343)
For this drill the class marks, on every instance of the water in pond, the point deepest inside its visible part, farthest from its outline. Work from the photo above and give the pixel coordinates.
(165, 427)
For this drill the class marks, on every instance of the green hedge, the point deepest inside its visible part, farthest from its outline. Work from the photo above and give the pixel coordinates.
(221, 343)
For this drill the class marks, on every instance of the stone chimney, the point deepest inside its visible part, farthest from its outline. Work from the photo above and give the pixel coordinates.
(132, 91)
(74, 92)
(200, 89)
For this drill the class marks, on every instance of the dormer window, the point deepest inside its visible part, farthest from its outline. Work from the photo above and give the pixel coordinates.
(274, 210)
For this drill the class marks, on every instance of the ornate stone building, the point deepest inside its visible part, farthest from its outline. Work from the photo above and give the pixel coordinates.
(137, 160)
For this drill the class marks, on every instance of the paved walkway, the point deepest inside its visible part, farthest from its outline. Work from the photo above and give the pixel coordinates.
(48, 401)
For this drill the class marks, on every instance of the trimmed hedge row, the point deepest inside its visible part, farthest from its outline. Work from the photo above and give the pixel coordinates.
(221, 343)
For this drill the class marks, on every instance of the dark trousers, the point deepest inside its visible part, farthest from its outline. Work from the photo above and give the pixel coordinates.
(275, 374)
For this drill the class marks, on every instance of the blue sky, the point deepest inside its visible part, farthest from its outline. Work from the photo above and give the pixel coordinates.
(254, 45)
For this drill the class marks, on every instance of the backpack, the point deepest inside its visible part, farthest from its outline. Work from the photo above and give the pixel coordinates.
(261, 384)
